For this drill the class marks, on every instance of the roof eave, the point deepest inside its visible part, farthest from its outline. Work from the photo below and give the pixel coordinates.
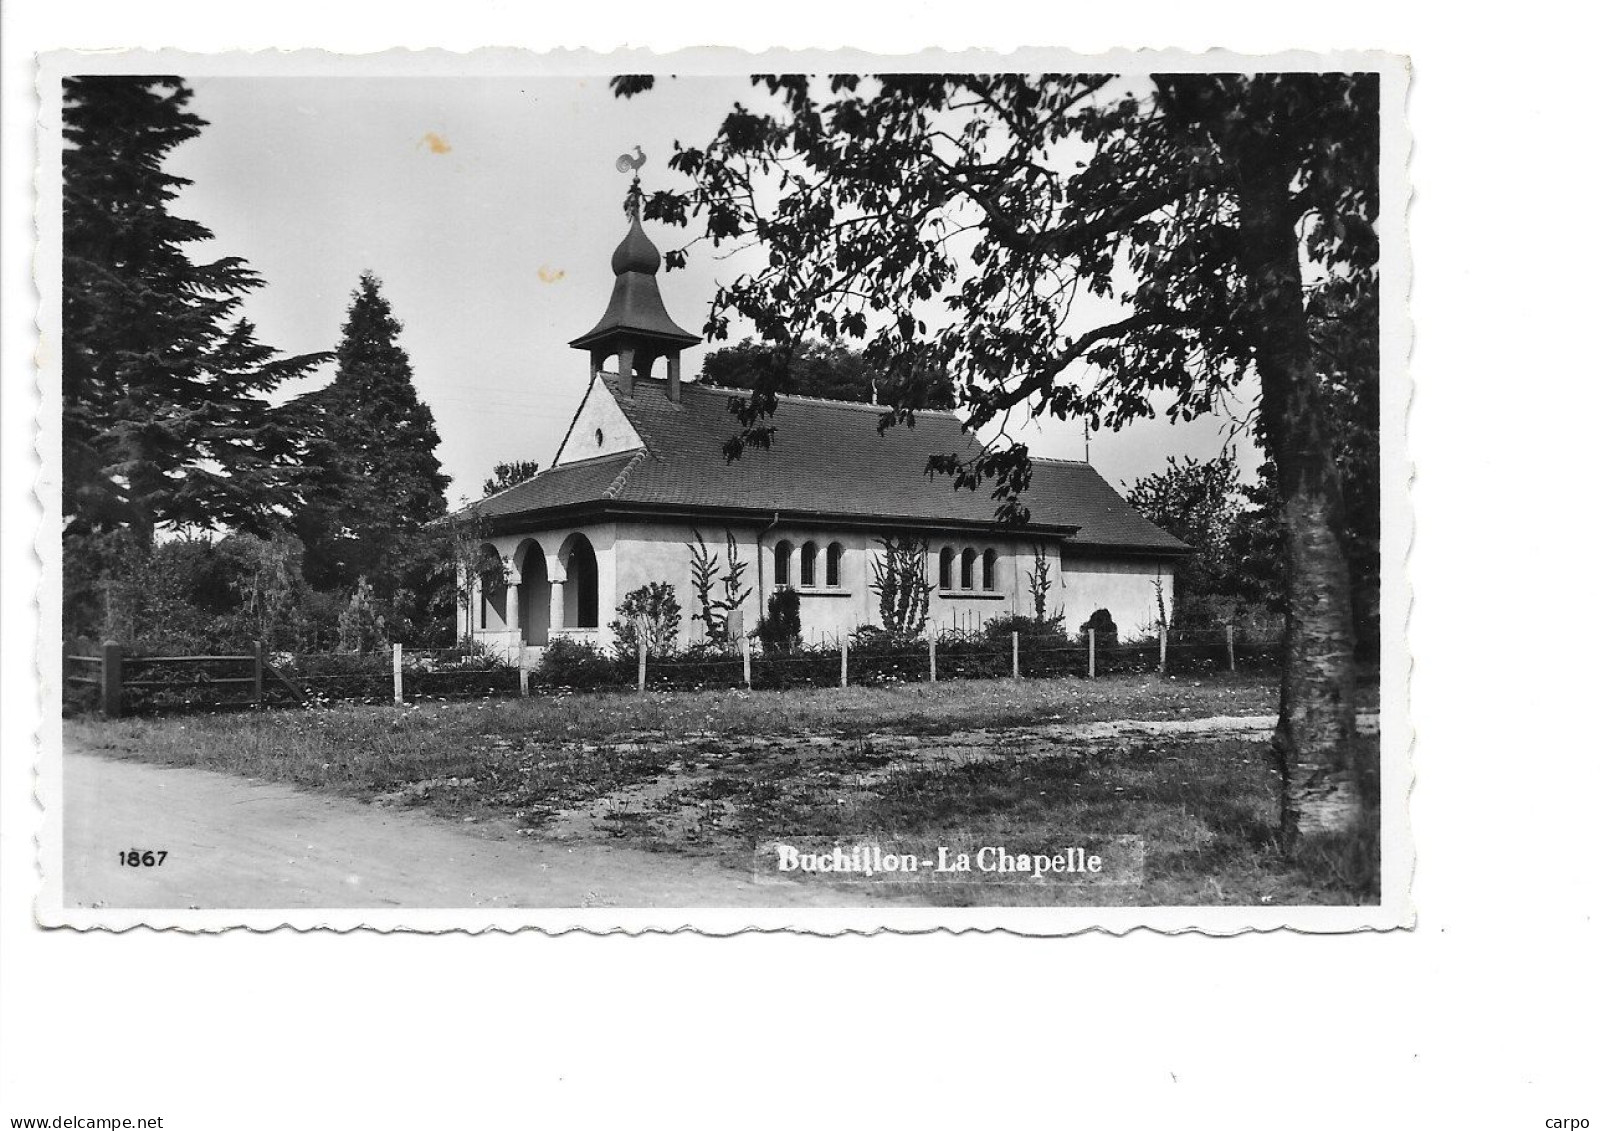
(624, 509)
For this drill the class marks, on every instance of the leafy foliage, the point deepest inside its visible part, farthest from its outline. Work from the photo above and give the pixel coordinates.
(900, 579)
(1236, 564)
(165, 417)
(705, 576)
(812, 369)
(198, 594)
(734, 590)
(998, 199)
(509, 474)
(361, 628)
(655, 607)
(1039, 584)
(1045, 629)
(579, 665)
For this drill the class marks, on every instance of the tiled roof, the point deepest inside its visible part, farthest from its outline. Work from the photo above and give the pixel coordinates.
(827, 460)
(571, 484)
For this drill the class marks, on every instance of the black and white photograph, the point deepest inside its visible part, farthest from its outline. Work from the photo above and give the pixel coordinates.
(815, 498)
(911, 565)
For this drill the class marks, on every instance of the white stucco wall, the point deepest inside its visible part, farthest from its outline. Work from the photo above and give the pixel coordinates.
(1126, 588)
(631, 555)
(598, 429)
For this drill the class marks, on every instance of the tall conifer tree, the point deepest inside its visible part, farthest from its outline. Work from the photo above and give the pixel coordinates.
(165, 416)
(372, 478)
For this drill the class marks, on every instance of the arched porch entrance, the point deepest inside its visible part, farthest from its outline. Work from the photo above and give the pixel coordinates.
(533, 595)
(581, 606)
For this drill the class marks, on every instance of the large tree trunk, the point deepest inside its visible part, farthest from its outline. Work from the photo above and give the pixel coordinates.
(1322, 787)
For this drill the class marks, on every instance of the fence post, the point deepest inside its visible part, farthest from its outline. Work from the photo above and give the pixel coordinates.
(844, 661)
(1016, 664)
(1091, 652)
(399, 678)
(1161, 631)
(933, 660)
(111, 679)
(260, 674)
(638, 628)
(1230, 647)
(744, 646)
(522, 669)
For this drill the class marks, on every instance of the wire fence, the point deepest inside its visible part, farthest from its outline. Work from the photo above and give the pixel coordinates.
(115, 683)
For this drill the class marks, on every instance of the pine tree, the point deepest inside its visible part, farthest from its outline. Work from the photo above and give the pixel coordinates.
(372, 479)
(165, 418)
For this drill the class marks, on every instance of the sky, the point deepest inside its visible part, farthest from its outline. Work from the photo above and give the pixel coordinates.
(489, 208)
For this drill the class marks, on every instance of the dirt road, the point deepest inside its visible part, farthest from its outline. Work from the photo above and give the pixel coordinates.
(233, 842)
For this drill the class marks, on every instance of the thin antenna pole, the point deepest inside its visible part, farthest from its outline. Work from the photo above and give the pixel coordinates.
(1086, 440)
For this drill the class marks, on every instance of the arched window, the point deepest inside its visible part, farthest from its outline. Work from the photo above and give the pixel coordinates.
(808, 565)
(969, 558)
(947, 568)
(989, 559)
(780, 563)
(835, 565)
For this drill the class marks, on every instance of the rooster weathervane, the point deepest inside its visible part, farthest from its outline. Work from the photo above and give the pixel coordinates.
(626, 164)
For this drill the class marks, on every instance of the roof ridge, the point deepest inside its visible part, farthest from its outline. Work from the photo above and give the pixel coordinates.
(876, 409)
(629, 407)
(621, 480)
(586, 461)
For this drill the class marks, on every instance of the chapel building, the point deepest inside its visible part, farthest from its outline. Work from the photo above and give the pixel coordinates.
(640, 479)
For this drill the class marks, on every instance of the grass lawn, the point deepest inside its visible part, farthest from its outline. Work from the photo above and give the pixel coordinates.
(715, 772)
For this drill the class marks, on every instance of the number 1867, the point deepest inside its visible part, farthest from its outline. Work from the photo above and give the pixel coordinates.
(142, 858)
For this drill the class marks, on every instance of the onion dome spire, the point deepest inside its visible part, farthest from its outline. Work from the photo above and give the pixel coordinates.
(636, 328)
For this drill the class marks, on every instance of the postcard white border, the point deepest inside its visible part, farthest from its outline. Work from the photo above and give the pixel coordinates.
(1395, 910)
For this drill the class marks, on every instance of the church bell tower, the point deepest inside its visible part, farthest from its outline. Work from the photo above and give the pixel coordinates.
(636, 328)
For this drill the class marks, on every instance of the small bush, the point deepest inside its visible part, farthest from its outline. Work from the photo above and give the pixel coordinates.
(580, 665)
(657, 606)
(1104, 628)
(1026, 627)
(779, 630)
(361, 628)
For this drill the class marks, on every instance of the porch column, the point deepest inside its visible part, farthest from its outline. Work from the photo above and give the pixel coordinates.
(558, 604)
(513, 613)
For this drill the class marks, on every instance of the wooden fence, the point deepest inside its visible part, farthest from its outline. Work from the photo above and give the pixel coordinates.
(120, 683)
(114, 673)
(951, 656)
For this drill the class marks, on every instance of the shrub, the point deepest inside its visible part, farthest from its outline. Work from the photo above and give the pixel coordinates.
(1104, 628)
(577, 664)
(361, 628)
(657, 606)
(1028, 628)
(341, 675)
(779, 630)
